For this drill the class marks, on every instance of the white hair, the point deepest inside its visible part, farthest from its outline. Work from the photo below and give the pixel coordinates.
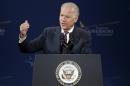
(73, 5)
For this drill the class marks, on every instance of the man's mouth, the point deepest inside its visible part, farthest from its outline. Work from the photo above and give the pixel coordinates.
(63, 24)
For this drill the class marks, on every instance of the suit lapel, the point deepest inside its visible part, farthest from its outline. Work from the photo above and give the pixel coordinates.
(75, 36)
(76, 40)
(57, 39)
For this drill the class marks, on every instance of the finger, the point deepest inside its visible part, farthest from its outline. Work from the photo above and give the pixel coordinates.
(24, 26)
(24, 31)
(26, 21)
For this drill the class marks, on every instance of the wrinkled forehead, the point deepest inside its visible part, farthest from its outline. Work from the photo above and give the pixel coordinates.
(68, 10)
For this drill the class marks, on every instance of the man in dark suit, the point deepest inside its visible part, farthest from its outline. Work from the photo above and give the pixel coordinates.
(64, 39)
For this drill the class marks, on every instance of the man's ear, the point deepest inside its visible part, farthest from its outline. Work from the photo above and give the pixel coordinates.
(75, 19)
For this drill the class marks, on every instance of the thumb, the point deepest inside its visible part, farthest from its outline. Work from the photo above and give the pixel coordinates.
(26, 21)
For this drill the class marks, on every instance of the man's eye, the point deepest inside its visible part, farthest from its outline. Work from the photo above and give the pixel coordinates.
(67, 16)
(61, 15)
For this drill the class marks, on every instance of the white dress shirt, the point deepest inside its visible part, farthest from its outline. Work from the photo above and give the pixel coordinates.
(69, 31)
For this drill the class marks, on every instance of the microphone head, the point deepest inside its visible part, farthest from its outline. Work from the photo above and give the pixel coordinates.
(61, 39)
(71, 43)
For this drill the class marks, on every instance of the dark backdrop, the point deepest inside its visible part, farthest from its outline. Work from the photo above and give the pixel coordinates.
(107, 20)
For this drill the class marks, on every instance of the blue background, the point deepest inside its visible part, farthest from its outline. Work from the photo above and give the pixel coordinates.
(107, 20)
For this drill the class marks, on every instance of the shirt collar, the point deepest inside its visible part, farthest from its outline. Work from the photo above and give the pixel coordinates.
(70, 30)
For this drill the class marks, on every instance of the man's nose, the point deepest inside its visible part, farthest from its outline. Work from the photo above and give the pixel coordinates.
(63, 19)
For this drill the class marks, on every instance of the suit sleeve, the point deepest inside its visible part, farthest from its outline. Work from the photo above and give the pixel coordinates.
(86, 49)
(34, 45)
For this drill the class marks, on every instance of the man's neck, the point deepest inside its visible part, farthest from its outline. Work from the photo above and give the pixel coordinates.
(70, 30)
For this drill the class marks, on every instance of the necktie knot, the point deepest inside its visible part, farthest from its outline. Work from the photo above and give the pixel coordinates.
(66, 33)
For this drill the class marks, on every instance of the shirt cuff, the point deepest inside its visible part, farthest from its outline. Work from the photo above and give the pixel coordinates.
(22, 39)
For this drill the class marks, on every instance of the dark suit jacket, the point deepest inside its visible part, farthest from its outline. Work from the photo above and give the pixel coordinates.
(49, 42)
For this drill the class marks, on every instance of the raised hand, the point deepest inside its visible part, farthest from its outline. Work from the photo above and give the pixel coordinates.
(24, 28)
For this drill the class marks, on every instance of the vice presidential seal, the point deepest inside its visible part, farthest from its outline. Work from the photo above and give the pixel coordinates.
(68, 73)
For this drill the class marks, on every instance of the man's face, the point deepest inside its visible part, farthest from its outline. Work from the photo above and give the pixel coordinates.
(67, 18)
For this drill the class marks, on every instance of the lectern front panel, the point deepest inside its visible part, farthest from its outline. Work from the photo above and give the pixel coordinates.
(67, 70)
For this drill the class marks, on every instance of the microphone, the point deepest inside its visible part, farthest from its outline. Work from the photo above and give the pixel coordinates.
(61, 38)
(61, 41)
(71, 43)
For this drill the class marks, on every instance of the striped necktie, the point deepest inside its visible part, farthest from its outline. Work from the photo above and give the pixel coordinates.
(65, 37)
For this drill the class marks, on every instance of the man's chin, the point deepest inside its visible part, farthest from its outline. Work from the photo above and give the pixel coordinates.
(64, 28)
